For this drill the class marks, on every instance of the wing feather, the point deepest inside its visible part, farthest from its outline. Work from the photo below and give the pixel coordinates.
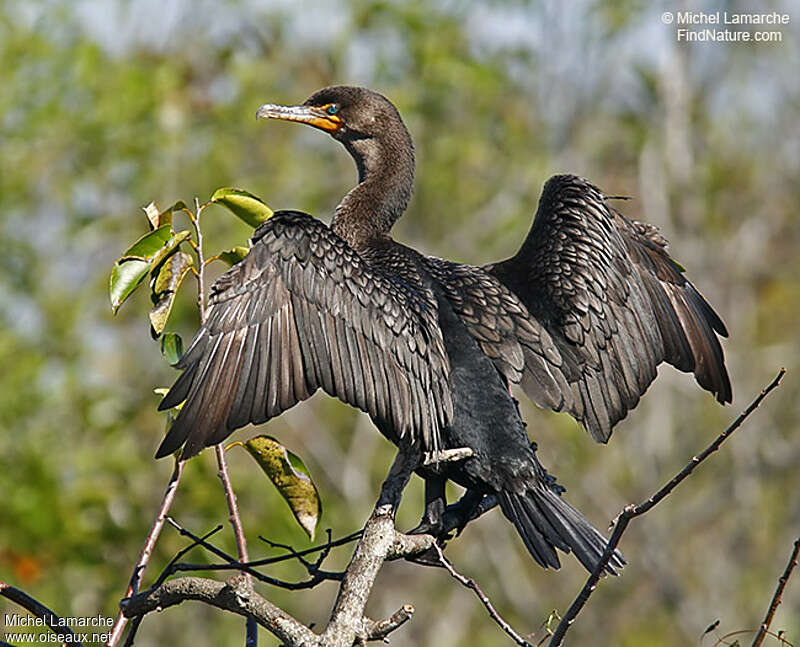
(614, 304)
(304, 311)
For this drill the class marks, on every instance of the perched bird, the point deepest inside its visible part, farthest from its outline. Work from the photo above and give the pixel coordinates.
(581, 317)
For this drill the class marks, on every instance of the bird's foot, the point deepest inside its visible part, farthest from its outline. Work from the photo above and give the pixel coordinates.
(428, 527)
(436, 529)
(457, 515)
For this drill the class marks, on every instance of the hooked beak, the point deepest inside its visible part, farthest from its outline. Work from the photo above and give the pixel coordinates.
(304, 114)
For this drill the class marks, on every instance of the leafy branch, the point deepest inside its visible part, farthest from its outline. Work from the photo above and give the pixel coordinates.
(168, 257)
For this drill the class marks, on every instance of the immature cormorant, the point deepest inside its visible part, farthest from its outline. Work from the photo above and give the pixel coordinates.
(580, 317)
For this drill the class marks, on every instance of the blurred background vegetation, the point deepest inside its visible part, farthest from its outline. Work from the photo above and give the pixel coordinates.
(108, 105)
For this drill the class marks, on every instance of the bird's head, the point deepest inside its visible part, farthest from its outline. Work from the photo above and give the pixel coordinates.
(346, 112)
(370, 128)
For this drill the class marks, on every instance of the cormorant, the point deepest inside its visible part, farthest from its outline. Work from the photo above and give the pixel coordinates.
(580, 317)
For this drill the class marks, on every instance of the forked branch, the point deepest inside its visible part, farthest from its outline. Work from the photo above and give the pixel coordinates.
(348, 624)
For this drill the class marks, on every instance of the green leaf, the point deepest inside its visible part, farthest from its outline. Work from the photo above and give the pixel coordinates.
(290, 475)
(233, 255)
(165, 286)
(125, 277)
(242, 204)
(169, 247)
(149, 244)
(144, 255)
(171, 348)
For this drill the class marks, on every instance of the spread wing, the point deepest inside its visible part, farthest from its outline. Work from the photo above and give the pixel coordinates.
(304, 311)
(614, 302)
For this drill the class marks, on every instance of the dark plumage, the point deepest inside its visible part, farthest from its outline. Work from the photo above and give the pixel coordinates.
(614, 304)
(580, 317)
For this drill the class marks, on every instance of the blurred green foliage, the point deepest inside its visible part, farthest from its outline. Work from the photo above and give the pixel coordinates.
(106, 106)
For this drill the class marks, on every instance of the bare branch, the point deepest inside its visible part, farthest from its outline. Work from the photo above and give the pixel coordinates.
(348, 625)
(632, 511)
(234, 564)
(725, 640)
(201, 263)
(314, 568)
(405, 546)
(776, 598)
(39, 610)
(446, 456)
(137, 621)
(379, 629)
(251, 638)
(473, 585)
(147, 549)
(236, 595)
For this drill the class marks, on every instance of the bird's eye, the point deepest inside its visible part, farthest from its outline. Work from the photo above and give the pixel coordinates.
(332, 109)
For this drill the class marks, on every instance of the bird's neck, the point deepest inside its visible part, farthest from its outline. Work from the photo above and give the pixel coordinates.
(385, 184)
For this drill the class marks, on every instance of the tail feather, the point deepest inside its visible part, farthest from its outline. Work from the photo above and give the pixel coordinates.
(545, 522)
(541, 543)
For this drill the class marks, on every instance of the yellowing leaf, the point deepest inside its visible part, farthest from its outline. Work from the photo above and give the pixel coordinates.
(158, 218)
(165, 285)
(290, 475)
(243, 204)
(152, 213)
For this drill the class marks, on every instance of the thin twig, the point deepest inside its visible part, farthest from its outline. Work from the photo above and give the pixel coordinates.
(129, 639)
(201, 265)
(776, 598)
(314, 568)
(379, 629)
(40, 611)
(266, 561)
(234, 564)
(147, 549)
(473, 585)
(632, 511)
(724, 640)
(251, 639)
(233, 507)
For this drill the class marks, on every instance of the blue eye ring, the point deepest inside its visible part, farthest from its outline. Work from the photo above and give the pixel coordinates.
(332, 109)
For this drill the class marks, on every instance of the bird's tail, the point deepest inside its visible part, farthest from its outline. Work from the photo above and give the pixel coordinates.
(546, 522)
